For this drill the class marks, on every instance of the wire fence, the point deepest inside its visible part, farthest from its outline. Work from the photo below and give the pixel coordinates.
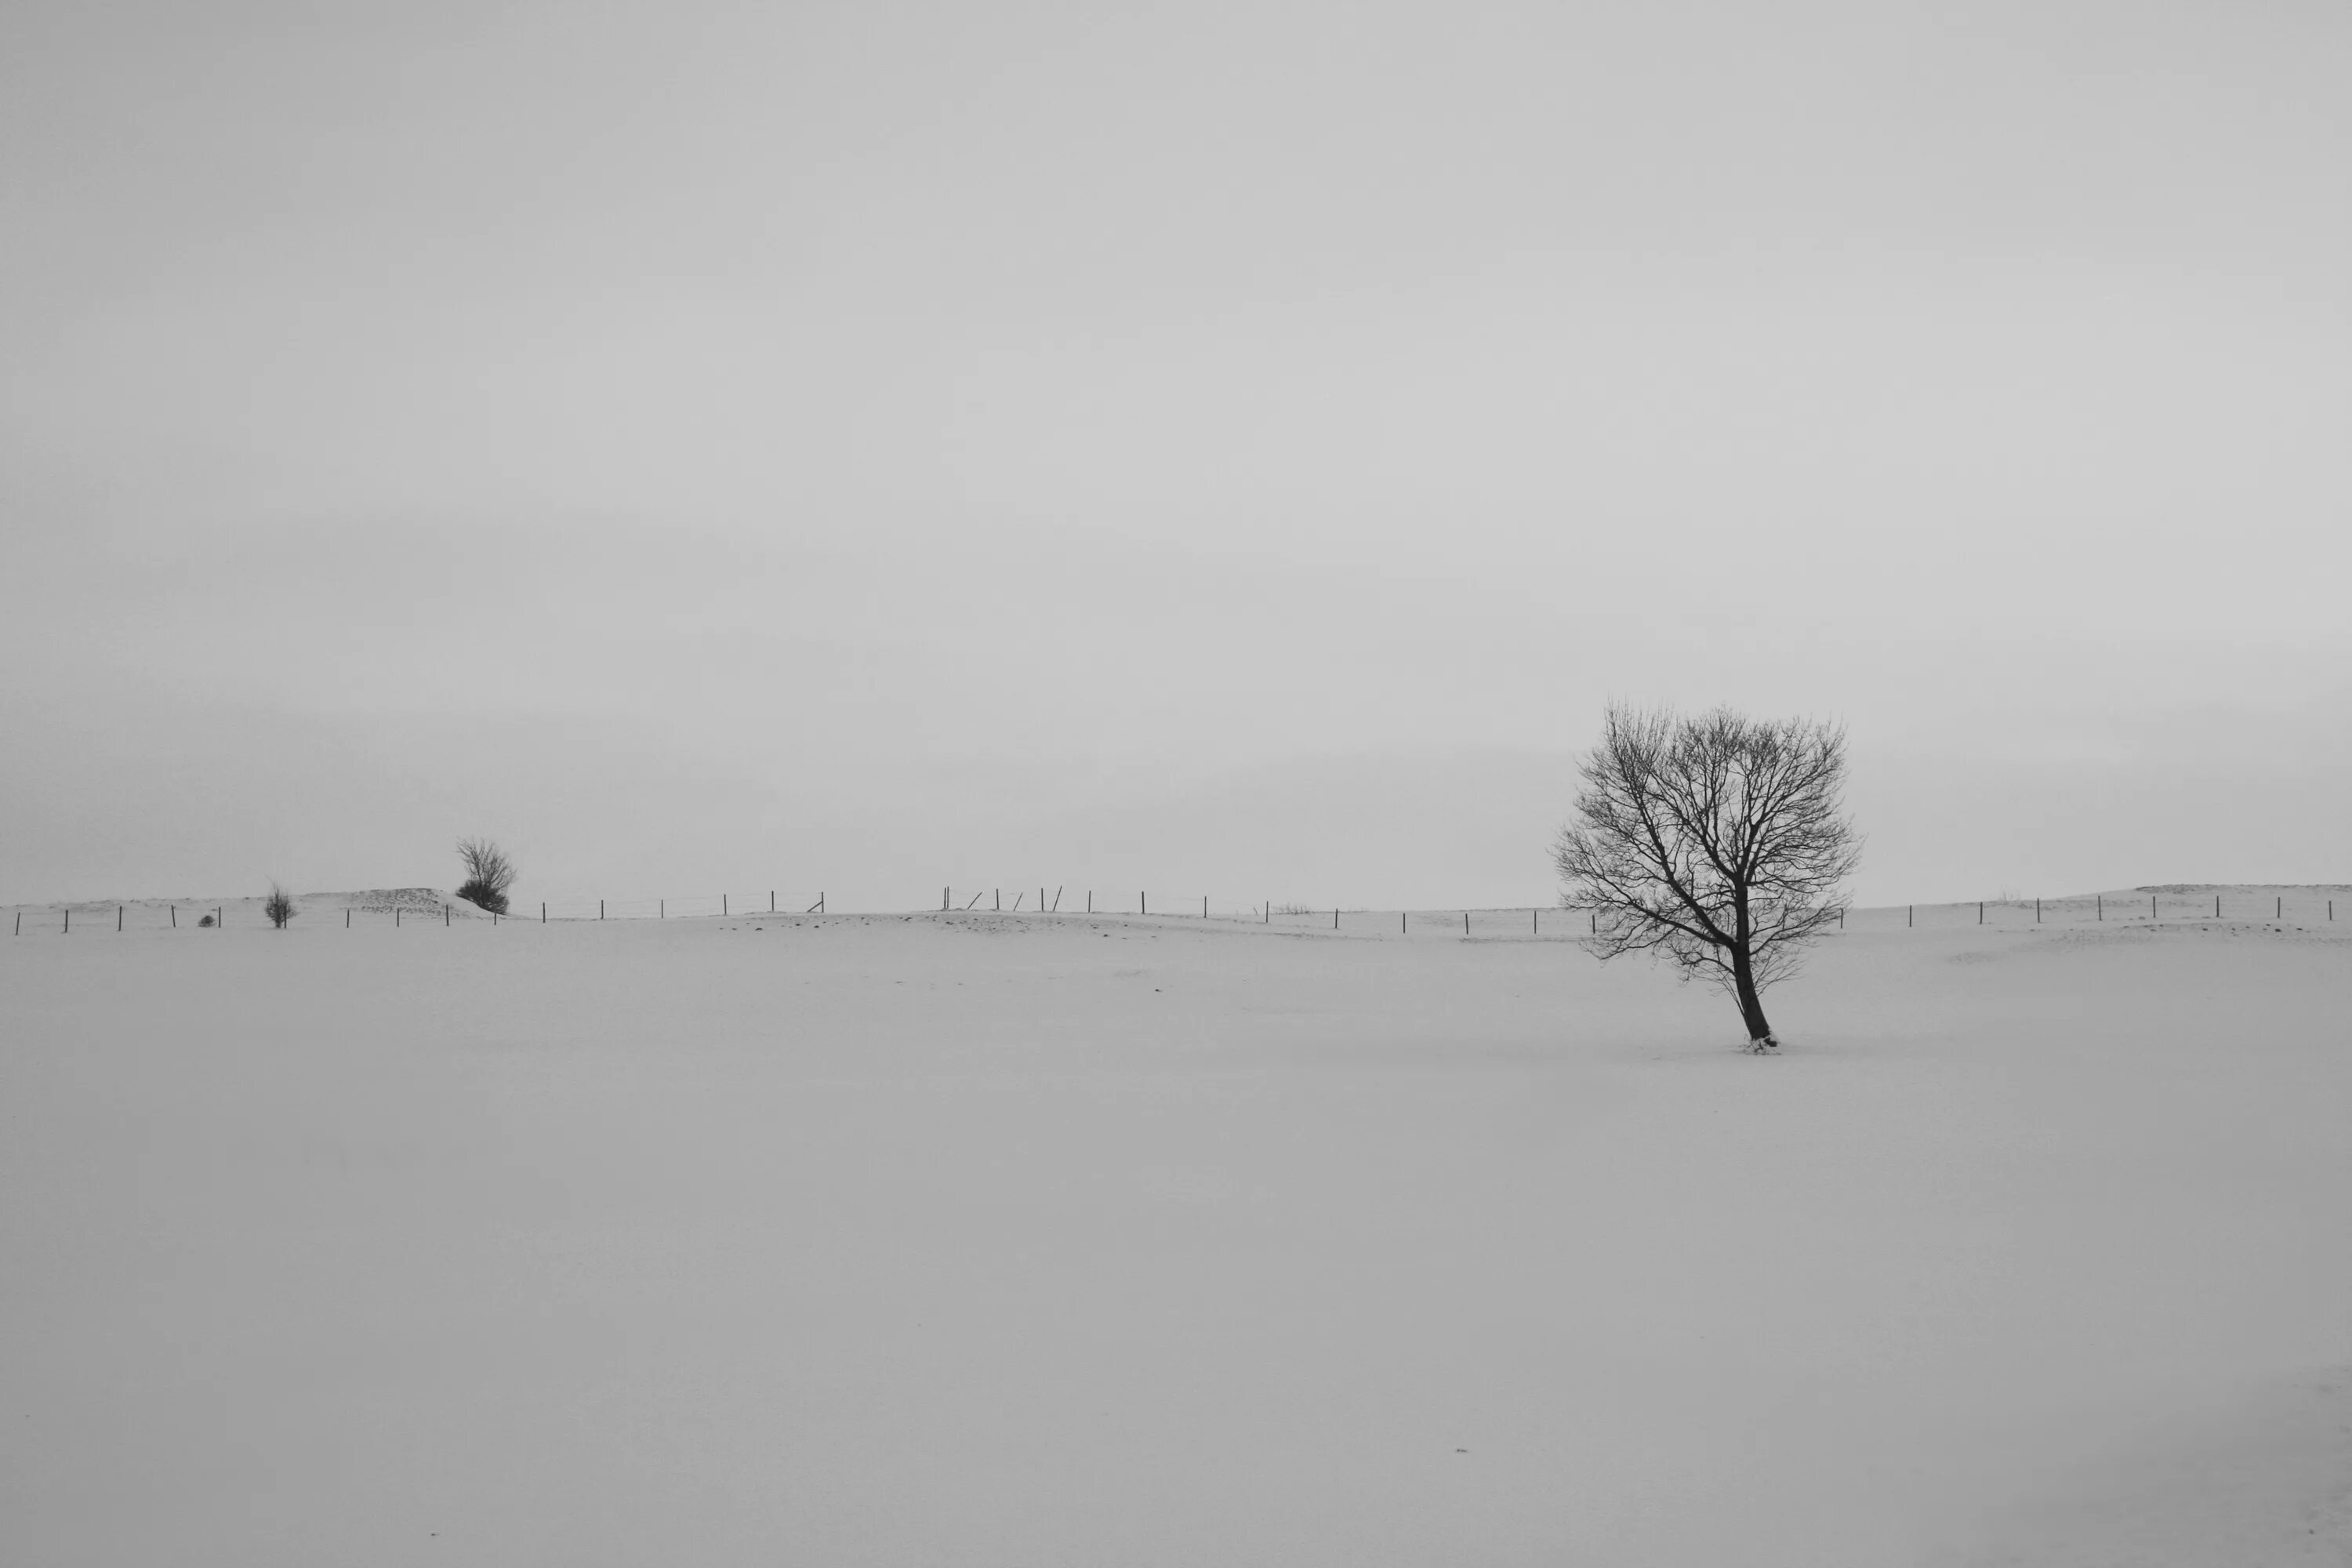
(2180, 904)
(402, 909)
(393, 908)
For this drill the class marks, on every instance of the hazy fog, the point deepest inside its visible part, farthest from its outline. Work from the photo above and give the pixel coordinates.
(1235, 450)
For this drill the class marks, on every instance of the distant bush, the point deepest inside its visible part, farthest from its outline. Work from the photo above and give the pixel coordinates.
(489, 874)
(280, 907)
(205, 922)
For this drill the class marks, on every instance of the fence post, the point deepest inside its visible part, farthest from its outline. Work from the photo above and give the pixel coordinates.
(175, 916)
(943, 900)
(2217, 906)
(70, 922)
(118, 917)
(600, 909)
(2037, 911)
(347, 917)
(1335, 919)
(1204, 906)
(999, 905)
(723, 910)
(2151, 906)
(1143, 903)
(2280, 912)
(1535, 922)
(1909, 910)
(445, 914)
(661, 908)
(1090, 901)
(1399, 923)
(1465, 923)
(395, 917)
(542, 912)
(1980, 911)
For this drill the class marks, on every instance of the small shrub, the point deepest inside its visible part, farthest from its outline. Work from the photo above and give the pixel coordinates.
(279, 907)
(205, 922)
(489, 874)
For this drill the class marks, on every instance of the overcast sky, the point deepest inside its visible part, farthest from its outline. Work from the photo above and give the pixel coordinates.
(1216, 448)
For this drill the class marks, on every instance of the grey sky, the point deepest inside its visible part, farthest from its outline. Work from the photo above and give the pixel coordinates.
(1229, 450)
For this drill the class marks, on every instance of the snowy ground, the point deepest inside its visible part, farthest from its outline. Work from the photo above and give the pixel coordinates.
(1021, 1241)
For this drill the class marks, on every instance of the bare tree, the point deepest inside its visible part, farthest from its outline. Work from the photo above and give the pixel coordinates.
(1718, 842)
(489, 874)
(279, 907)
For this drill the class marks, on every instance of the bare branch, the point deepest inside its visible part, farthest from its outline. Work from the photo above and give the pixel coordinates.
(1716, 842)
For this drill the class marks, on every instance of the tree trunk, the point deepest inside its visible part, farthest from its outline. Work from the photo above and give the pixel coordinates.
(1751, 1006)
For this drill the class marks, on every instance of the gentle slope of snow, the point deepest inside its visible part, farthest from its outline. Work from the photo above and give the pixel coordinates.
(1019, 1241)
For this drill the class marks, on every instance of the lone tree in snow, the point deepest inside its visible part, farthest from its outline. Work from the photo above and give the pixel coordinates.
(279, 907)
(489, 874)
(1717, 841)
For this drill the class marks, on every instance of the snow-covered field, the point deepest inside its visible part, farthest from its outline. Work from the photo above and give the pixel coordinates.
(1018, 1240)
